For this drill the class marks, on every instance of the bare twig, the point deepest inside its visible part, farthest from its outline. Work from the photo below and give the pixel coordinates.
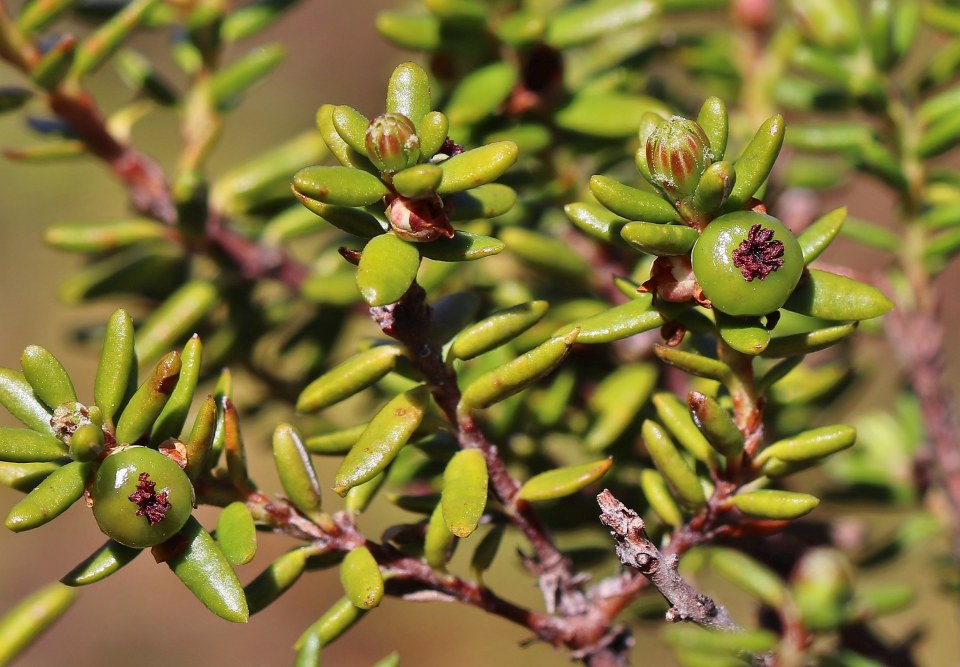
(636, 550)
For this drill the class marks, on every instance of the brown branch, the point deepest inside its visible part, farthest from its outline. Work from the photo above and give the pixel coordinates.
(636, 550)
(408, 321)
(254, 261)
(917, 339)
(143, 178)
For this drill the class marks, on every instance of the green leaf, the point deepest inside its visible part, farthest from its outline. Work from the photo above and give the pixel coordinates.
(546, 253)
(340, 149)
(438, 541)
(100, 45)
(632, 203)
(748, 575)
(25, 477)
(353, 375)
(805, 343)
(814, 239)
(277, 579)
(200, 441)
(146, 404)
(659, 239)
(419, 31)
(351, 220)
(101, 564)
(203, 568)
(17, 396)
(53, 496)
(480, 93)
(497, 329)
(833, 297)
(102, 236)
(361, 578)
(476, 167)
(22, 445)
(351, 125)
(335, 442)
(484, 201)
(577, 24)
(619, 322)
(408, 92)
(237, 534)
(813, 444)
(239, 76)
(388, 267)
(515, 376)
(486, 551)
(660, 498)
(746, 335)
(176, 318)
(775, 504)
(716, 424)
(607, 115)
(174, 414)
(714, 187)
(562, 482)
(339, 186)
(360, 496)
(28, 620)
(675, 470)
(721, 641)
(695, 364)
(597, 221)
(383, 438)
(55, 64)
(754, 164)
(616, 402)
(297, 474)
(432, 131)
(338, 619)
(418, 181)
(715, 123)
(675, 415)
(118, 362)
(464, 494)
(463, 247)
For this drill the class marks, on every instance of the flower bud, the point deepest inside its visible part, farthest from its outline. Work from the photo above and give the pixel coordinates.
(678, 152)
(419, 220)
(392, 142)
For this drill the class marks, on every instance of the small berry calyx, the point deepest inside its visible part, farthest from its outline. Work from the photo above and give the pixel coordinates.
(419, 220)
(759, 254)
(150, 504)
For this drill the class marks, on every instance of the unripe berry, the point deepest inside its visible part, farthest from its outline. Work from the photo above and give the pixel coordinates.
(747, 263)
(141, 497)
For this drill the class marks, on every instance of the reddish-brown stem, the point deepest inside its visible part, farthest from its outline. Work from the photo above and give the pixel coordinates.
(408, 320)
(143, 178)
(918, 341)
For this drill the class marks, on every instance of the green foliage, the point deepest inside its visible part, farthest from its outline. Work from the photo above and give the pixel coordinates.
(568, 251)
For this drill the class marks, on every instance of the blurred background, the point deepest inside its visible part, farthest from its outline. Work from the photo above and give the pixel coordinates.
(142, 615)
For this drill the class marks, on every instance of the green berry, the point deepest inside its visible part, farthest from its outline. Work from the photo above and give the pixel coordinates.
(747, 263)
(141, 497)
